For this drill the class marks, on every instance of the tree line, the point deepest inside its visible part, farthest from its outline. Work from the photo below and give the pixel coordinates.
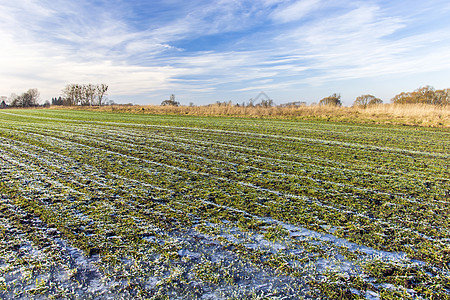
(95, 94)
(360, 101)
(29, 98)
(72, 94)
(82, 94)
(425, 95)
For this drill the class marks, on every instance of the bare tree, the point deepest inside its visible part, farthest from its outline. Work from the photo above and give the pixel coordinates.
(101, 92)
(266, 103)
(334, 100)
(11, 98)
(442, 97)
(89, 91)
(28, 99)
(78, 90)
(426, 95)
(366, 100)
(170, 102)
(403, 98)
(68, 94)
(84, 94)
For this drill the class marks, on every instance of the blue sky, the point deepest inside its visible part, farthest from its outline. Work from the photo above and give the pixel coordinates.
(208, 51)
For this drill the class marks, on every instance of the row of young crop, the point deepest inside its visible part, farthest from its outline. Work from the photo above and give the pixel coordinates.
(74, 217)
(289, 184)
(246, 157)
(404, 138)
(189, 185)
(209, 174)
(428, 183)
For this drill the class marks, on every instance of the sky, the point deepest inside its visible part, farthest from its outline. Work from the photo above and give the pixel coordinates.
(208, 51)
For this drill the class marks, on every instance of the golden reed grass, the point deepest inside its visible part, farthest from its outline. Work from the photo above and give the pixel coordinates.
(397, 114)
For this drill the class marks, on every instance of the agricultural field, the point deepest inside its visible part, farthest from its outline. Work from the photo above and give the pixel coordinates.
(99, 205)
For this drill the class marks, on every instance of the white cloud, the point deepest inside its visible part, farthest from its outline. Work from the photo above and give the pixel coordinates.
(295, 11)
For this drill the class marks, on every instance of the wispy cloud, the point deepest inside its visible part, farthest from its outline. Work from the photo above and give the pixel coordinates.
(203, 48)
(295, 11)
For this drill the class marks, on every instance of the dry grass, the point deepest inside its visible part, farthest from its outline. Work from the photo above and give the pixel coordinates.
(400, 114)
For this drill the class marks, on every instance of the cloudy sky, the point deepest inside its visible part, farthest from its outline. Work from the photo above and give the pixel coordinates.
(207, 51)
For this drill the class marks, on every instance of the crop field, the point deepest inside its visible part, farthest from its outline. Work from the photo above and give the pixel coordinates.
(98, 205)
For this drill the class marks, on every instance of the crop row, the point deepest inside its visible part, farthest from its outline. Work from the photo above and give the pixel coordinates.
(183, 207)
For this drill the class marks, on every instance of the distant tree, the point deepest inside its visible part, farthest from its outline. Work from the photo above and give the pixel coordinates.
(69, 94)
(333, 100)
(3, 101)
(366, 100)
(75, 93)
(28, 99)
(57, 101)
(266, 103)
(17, 101)
(170, 102)
(101, 92)
(11, 98)
(403, 98)
(426, 95)
(442, 97)
(84, 94)
(223, 103)
(89, 92)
